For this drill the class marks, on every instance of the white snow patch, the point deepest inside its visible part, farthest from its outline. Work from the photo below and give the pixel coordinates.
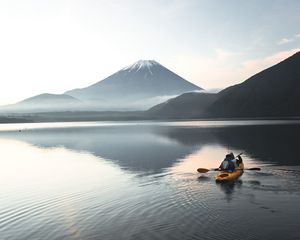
(141, 64)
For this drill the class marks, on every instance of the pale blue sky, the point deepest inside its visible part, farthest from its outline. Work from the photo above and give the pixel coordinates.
(56, 45)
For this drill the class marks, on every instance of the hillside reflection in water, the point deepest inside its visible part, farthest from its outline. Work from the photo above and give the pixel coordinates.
(139, 181)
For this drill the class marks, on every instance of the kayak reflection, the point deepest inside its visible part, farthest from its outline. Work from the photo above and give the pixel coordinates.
(229, 188)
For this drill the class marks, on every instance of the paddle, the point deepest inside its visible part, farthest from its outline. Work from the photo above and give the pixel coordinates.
(254, 169)
(205, 170)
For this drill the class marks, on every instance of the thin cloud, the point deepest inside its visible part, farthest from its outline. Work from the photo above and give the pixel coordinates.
(285, 41)
(215, 72)
(223, 55)
(257, 65)
(298, 35)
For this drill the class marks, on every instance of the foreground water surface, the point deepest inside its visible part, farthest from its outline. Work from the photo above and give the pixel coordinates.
(138, 180)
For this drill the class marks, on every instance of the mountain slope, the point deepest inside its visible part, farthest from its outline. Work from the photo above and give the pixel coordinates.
(187, 105)
(49, 98)
(142, 84)
(274, 92)
(45, 102)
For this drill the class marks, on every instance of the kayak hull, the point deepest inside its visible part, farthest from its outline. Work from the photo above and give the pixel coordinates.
(226, 176)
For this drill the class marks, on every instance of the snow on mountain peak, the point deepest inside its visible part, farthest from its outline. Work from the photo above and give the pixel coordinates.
(141, 64)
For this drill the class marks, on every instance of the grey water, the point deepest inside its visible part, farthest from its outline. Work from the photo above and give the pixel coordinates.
(138, 180)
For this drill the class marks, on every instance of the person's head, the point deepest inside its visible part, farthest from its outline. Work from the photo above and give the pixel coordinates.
(230, 155)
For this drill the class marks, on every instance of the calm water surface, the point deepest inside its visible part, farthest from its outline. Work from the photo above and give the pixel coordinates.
(138, 180)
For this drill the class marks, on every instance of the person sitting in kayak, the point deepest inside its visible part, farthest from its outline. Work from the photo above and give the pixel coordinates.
(239, 160)
(228, 163)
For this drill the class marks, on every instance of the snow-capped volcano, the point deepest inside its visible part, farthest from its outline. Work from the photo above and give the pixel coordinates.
(141, 64)
(137, 86)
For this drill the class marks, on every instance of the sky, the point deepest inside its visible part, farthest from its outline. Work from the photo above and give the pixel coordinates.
(57, 45)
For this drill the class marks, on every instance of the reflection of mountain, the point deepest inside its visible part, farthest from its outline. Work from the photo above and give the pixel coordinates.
(276, 144)
(132, 147)
(150, 149)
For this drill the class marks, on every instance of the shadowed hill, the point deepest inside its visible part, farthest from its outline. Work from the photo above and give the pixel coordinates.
(271, 93)
(187, 105)
(274, 92)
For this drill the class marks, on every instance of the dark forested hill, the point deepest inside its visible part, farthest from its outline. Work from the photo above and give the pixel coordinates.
(274, 92)
(187, 105)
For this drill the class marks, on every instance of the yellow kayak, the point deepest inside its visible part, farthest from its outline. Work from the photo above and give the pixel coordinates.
(225, 176)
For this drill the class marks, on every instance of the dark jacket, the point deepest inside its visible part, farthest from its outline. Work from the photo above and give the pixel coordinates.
(228, 164)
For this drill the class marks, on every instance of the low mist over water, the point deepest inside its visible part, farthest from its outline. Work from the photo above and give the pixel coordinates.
(138, 180)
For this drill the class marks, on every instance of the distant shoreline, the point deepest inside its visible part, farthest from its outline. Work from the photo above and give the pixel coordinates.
(112, 116)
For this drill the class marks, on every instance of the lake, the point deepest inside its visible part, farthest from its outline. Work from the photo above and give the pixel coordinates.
(138, 180)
